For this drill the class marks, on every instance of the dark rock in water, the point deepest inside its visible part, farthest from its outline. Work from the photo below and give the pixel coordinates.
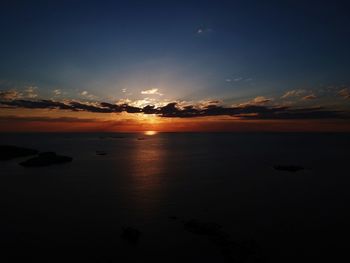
(8, 152)
(289, 168)
(45, 159)
(117, 137)
(100, 153)
(130, 234)
(200, 228)
(141, 138)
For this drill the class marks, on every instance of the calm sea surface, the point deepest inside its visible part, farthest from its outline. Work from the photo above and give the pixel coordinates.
(74, 212)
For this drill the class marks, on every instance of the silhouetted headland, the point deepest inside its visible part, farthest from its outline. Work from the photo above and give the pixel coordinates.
(46, 159)
(9, 152)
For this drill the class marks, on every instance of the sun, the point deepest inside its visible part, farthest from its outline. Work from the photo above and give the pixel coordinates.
(150, 133)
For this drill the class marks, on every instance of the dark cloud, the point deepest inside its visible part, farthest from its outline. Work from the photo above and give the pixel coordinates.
(9, 94)
(112, 107)
(78, 106)
(173, 110)
(249, 112)
(304, 113)
(39, 104)
(149, 109)
(13, 118)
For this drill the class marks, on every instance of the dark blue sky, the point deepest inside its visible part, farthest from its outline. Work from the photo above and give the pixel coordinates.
(190, 50)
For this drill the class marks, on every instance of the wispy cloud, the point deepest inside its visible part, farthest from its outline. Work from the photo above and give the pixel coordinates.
(238, 79)
(260, 100)
(203, 30)
(345, 93)
(309, 97)
(57, 92)
(31, 92)
(151, 92)
(87, 95)
(293, 93)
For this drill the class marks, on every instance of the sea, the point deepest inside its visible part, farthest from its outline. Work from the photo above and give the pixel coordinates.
(76, 212)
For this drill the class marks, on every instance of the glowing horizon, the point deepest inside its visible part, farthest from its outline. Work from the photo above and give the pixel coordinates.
(209, 70)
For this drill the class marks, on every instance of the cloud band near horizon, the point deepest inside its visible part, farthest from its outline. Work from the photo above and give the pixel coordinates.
(175, 110)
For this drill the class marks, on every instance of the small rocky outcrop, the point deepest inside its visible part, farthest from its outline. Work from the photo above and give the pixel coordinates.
(117, 137)
(9, 152)
(46, 159)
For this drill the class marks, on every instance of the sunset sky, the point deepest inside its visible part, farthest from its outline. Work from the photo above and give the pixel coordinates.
(174, 66)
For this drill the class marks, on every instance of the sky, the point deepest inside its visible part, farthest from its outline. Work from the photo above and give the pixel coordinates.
(174, 66)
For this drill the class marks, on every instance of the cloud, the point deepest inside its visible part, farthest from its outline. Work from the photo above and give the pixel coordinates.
(260, 100)
(203, 30)
(143, 102)
(345, 93)
(31, 92)
(309, 97)
(151, 92)
(257, 108)
(39, 104)
(120, 108)
(86, 94)
(10, 95)
(238, 79)
(57, 92)
(293, 93)
(250, 112)
(203, 104)
(90, 107)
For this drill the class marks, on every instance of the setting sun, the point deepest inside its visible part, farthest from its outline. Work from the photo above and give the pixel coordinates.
(150, 133)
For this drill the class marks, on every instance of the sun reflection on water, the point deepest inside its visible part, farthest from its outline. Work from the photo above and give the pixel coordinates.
(147, 167)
